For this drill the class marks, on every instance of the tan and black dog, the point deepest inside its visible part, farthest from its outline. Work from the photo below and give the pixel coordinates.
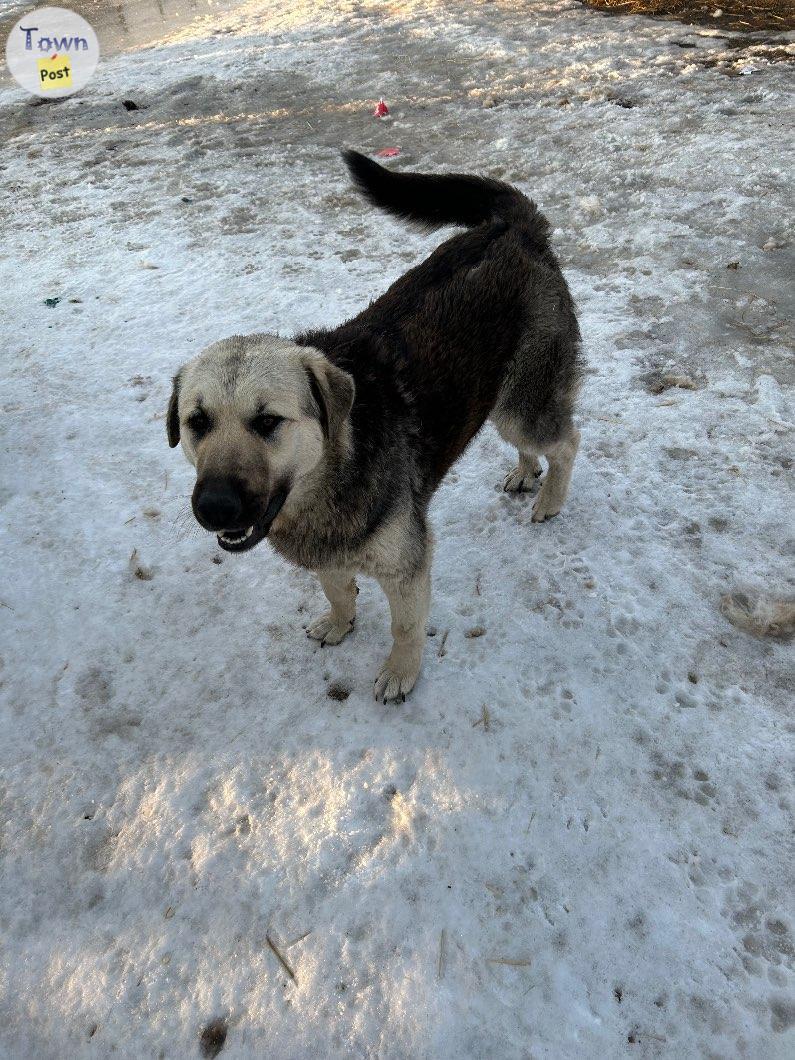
(331, 444)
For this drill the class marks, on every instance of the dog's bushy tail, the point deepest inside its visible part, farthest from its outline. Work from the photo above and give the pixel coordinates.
(435, 200)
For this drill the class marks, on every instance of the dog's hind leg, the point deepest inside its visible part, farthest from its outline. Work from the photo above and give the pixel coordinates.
(534, 412)
(555, 486)
(522, 478)
(341, 591)
(553, 437)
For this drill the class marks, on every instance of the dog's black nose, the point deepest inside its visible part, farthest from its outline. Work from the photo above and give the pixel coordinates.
(218, 506)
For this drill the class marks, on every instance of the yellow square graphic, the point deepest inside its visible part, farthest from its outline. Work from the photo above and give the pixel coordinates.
(55, 72)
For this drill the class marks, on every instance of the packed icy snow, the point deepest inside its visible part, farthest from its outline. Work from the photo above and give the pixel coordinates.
(574, 838)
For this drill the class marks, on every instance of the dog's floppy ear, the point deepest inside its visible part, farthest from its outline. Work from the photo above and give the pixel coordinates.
(172, 416)
(333, 391)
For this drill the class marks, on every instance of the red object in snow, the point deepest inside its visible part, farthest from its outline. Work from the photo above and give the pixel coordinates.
(387, 152)
(382, 110)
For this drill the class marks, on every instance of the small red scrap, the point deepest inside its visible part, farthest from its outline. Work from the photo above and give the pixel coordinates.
(382, 110)
(388, 152)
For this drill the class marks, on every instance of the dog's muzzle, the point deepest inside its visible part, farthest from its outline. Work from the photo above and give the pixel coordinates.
(241, 540)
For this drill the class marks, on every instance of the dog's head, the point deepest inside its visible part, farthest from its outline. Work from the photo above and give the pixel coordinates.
(255, 414)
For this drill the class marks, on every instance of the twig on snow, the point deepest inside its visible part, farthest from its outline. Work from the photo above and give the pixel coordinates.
(440, 967)
(299, 939)
(280, 958)
(483, 720)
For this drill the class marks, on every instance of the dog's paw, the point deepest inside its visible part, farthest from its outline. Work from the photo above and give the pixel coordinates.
(521, 480)
(395, 682)
(328, 631)
(546, 506)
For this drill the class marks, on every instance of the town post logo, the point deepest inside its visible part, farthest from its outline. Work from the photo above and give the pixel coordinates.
(52, 52)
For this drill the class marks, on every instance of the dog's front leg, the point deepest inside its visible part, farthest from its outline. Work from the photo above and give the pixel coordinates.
(340, 589)
(409, 601)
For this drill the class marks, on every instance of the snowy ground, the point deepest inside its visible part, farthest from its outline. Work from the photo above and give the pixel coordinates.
(572, 840)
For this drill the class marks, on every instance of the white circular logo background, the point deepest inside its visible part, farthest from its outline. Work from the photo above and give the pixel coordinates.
(52, 52)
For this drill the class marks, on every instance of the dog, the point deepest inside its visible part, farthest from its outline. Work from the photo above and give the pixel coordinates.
(332, 443)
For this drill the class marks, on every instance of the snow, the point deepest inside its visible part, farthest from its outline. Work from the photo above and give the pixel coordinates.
(574, 838)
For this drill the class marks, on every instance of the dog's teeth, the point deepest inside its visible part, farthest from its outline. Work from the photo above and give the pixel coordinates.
(237, 537)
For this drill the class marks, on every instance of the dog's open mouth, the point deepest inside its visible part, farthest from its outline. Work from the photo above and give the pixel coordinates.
(235, 537)
(241, 540)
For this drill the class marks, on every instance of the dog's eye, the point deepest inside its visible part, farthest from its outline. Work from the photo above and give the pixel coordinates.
(199, 422)
(264, 425)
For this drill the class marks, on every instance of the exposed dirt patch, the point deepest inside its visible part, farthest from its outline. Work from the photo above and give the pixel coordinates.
(657, 382)
(338, 691)
(734, 14)
(761, 616)
(213, 1038)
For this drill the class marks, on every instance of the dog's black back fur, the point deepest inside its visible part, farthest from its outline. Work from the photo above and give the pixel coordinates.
(430, 356)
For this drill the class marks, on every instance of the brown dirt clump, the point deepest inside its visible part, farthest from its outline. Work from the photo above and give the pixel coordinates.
(740, 15)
